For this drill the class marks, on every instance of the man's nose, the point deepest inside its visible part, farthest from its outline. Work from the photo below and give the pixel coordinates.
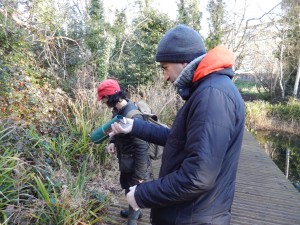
(166, 77)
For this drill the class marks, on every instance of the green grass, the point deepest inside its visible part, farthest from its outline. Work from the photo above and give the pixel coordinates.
(67, 205)
(29, 163)
(252, 91)
(15, 182)
(289, 111)
(246, 86)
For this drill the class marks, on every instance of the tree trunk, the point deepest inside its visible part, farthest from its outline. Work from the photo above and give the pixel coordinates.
(281, 83)
(297, 80)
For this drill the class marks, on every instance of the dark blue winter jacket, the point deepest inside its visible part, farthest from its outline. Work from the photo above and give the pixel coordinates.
(197, 177)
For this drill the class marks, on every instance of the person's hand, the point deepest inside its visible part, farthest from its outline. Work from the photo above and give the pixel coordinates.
(111, 148)
(124, 126)
(130, 198)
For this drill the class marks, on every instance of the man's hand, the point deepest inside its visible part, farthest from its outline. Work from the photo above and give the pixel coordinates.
(130, 198)
(124, 126)
(111, 148)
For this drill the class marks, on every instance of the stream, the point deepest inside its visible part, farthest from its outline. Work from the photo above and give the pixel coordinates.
(284, 150)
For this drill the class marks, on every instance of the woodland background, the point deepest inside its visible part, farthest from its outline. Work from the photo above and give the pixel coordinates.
(52, 55)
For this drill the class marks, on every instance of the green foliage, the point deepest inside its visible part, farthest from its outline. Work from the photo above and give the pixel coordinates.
(291, 20)
(120, 54)
(96, 39)
(290, 34)
(15, 176)
(189, 13)
(8, 192)
(246, 86)
(251, 90)
(216, 9)
(136, 54)
(11, 37)
(27, 179)
(75, 141)
(289, 111)
(47, 15)
(12, 57)
(61, 209)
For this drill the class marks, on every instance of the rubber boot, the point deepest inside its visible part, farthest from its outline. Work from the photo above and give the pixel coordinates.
(125, 212)
(133, 216)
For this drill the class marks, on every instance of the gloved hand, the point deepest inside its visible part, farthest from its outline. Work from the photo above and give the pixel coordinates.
(131, 200)
(111, 148)
(124, 126)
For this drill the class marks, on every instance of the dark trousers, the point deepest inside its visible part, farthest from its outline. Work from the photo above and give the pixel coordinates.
(127, 181)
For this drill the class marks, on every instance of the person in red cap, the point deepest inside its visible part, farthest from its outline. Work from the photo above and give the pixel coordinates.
(108, 87)
(132, 153)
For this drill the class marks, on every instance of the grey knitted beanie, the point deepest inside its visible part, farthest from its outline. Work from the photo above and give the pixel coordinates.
(181, 44)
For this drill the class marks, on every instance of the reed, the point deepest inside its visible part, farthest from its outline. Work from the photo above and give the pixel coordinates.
(14, 183)
(161, 97)
(68, 205)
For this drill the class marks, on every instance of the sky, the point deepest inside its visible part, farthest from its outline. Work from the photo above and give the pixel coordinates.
(254, 8)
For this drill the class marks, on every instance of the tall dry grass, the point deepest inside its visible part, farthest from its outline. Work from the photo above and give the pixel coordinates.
(162, 99)
(88, 114)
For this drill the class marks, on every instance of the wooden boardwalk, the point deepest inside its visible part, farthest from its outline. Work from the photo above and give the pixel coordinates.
(264, 196)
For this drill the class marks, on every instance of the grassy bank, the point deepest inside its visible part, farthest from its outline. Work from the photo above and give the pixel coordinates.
(263, 114)
(283, 117)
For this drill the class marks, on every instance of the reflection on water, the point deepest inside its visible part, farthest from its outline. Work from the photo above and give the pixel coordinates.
(284, 150)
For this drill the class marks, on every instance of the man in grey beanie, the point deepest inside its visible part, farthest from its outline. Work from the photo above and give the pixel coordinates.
(197, 176)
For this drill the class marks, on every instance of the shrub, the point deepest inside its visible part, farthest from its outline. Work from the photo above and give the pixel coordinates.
(289, 112)
(262, 115)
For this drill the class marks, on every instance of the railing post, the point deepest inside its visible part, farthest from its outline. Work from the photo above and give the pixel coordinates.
(287, 162)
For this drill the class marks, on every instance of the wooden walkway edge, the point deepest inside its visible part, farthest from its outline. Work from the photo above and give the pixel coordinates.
(263, 196)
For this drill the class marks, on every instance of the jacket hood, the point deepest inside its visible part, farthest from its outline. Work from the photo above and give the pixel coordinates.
(217, 59)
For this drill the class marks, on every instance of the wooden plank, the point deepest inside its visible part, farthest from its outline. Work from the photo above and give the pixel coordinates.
(263, 196)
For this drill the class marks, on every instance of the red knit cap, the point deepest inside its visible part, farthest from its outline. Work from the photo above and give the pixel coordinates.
(108, 87)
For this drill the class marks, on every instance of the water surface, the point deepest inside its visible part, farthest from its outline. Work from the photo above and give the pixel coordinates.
(284, 150)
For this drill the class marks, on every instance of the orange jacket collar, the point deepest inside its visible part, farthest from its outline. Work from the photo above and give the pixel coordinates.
(216, 59)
